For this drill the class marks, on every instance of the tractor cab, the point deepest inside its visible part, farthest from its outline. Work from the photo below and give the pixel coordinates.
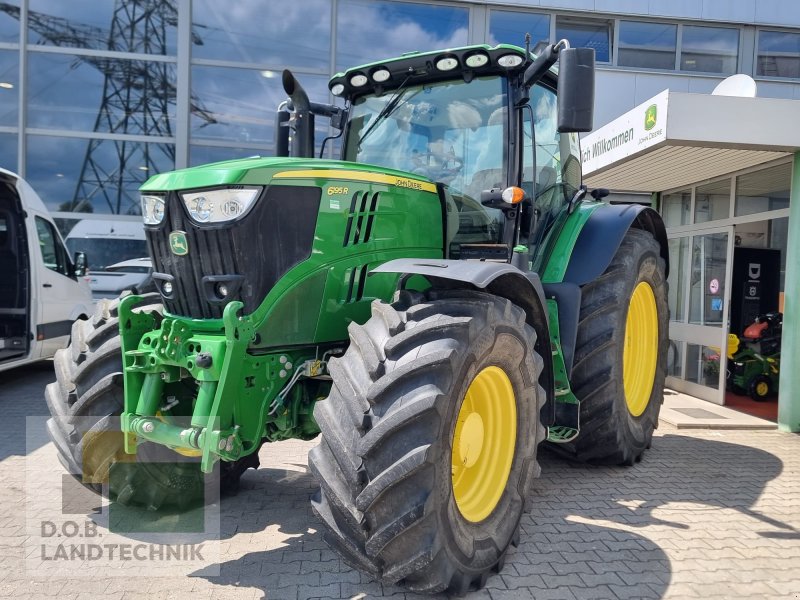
(476, 121)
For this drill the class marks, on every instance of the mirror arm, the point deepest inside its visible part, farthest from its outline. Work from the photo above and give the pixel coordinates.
(337, 115)
(543, 63)
(576, 199)
(493, 198)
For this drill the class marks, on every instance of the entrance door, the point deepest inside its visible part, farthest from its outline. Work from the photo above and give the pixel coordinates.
(699, 298)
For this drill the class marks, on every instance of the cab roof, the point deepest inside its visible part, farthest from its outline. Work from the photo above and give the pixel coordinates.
(465, 62)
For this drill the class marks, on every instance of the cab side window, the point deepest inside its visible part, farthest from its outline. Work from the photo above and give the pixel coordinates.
(53, 252)
(557, 173)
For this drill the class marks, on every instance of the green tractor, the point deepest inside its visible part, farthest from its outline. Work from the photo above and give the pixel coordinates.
(435, 304)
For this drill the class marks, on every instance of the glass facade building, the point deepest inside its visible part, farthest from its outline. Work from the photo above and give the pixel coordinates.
(96, 96)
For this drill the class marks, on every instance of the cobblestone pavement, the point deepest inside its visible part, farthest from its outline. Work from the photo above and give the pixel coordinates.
(706, 514)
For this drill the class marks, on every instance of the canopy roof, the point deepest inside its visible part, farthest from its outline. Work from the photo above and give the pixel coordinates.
(677, 139)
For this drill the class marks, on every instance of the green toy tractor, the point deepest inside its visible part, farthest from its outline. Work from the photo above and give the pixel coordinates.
(754, 367)
(435, 304)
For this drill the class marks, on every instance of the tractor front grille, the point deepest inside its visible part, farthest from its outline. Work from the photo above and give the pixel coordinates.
(251, 254)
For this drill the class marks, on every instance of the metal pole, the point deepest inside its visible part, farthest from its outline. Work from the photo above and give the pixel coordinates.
(22, 114)
(184, 85)
(789, 396)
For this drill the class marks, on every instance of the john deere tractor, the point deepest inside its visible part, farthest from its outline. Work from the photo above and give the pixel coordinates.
(433, 305)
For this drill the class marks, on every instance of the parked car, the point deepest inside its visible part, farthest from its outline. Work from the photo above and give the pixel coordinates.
(135, 276)
(43, 289)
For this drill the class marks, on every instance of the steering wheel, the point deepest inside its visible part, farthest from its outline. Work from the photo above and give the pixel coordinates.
(437, 166)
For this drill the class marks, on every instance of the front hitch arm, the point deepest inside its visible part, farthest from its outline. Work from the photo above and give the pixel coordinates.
(153, 357)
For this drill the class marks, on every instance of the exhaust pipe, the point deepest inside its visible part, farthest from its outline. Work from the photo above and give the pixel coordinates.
(302, 121)
(282, 118)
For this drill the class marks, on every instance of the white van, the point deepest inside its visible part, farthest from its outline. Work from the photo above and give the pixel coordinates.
(42, 289)
(107, 243)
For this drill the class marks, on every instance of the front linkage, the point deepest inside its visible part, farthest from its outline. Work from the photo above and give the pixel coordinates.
(191, 385)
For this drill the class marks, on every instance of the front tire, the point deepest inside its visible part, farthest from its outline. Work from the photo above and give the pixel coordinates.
(429, 439)
(85, 402)
(621, 354)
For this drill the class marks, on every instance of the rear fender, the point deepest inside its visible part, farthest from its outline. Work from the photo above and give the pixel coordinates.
(502, 279)
(591, 249)
(601, 236)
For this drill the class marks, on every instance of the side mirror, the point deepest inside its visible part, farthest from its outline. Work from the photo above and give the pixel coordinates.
(81, 264)
(575, 90)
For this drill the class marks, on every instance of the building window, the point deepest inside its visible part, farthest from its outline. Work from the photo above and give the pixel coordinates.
(371, 30)
(676, 207)
(121, 26)
(93, 175)
(778, 54)
(709, 256)
(238, 105)
(647, 45)
(279, 32)
(702, 365)
(510, 27)
(712, 201)
(9, 22)
(9, 86)
(8, 150)
(586, 33)
(678, 263)
(111, 95)
(764, 190)
(709, 49)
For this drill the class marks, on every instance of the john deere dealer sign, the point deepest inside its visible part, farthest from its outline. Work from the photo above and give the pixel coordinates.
(635, 131)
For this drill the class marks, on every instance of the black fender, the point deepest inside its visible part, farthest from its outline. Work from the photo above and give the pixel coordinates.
(505, 280)
(602, 234)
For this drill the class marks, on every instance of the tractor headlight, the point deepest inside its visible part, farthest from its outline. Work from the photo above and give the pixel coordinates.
(152, 209)
(216, 206)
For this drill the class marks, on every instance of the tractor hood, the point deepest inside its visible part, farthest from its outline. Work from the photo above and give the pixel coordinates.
(260, 170)
(304, 207)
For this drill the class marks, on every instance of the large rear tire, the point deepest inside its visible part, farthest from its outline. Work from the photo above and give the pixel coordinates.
(621, 354)
(429, 439)
(85, 402)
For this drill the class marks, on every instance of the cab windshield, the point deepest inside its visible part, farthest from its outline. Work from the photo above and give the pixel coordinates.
(452, 132)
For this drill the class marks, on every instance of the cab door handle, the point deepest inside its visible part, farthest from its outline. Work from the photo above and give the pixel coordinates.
(47, 285)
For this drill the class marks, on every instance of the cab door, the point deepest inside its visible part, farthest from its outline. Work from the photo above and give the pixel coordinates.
(59, 294)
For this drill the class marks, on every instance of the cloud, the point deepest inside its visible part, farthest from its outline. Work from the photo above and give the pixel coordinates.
(370, 31)
(279, 32)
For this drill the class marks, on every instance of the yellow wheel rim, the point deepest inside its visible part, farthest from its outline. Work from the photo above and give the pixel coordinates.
(640, 353)
(483, 444)
(762, 388)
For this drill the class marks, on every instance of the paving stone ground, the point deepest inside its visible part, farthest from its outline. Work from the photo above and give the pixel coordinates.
(706, 514)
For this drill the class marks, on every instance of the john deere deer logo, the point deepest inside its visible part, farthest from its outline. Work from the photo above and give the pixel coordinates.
(178, 243)
(650, 117)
